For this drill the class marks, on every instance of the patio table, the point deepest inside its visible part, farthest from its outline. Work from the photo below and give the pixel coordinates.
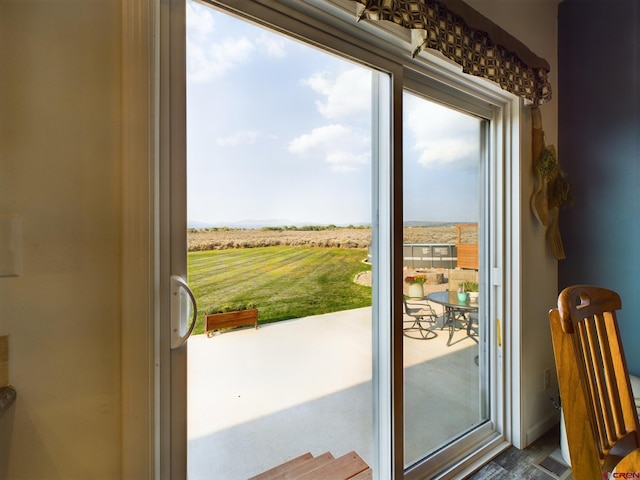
(454, 312)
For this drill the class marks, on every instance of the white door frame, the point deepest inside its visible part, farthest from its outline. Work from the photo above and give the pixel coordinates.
(145, 448)
(153, 423)
(140, 93)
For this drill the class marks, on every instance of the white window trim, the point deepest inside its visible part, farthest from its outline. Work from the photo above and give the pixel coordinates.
(141, 451)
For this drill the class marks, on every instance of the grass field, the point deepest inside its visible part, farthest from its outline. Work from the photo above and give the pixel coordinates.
(282, 282)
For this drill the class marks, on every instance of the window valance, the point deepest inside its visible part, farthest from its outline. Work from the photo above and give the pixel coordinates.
(468, 38)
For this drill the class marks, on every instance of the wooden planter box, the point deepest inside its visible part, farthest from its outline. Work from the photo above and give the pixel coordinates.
(238, 318)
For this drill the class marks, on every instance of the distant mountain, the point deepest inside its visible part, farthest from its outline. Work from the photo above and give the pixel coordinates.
(257, 224)
(197, 224)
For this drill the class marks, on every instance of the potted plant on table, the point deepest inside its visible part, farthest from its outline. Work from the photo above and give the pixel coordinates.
(462, 294)
(416, 285)
(472, 290)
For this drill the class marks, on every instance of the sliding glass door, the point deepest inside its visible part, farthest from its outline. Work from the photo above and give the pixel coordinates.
(429, 398)
(446, 380)
(279, 207)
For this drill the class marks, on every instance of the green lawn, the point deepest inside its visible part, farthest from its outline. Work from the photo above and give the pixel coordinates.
(282, 282)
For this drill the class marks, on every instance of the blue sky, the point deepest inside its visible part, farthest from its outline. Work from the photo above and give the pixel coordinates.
(280, 130)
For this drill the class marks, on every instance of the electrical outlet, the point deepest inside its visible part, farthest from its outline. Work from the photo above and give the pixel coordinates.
(547, 379)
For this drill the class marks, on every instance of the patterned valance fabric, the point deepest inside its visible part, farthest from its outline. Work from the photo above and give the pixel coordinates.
(469, 39)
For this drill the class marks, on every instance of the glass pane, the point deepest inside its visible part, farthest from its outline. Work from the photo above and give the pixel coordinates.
(444, 387)
(279, 202)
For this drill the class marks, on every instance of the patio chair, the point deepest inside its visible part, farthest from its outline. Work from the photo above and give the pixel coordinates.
(461, 320)
(419, 313)
(472, 326)
(599, 412)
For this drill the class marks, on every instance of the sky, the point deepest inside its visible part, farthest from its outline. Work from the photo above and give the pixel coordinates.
(279, 132)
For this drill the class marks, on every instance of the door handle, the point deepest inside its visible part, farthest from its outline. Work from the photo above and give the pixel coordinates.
(179, 331)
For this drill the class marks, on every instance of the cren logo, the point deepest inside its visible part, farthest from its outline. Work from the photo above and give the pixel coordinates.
(609, 475)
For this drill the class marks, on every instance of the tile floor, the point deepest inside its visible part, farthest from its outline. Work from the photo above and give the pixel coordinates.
(516, 464)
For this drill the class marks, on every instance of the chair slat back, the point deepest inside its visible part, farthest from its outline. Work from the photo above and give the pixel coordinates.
(591, 349)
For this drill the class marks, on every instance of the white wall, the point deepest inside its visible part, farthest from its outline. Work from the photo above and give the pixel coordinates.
(60, 170)
(534, 22)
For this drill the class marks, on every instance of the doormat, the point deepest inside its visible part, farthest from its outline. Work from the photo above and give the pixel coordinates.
(554, 466)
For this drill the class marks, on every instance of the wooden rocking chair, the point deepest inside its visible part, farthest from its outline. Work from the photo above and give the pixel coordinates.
(598, 405)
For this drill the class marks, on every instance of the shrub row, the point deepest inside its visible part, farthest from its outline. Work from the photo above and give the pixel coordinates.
(325, 237)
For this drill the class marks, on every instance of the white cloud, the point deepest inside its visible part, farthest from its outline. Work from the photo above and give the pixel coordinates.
(238, 138)
(345, 95)
(209, 59)
(440, 135)
(199, 19)
(273, 45)
(446, 151)
(212, 61)
(344, 148)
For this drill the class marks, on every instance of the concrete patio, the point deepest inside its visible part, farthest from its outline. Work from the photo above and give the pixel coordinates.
(260, 397)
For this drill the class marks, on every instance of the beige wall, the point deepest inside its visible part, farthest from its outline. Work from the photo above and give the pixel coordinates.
(60, 170)
(534, 22)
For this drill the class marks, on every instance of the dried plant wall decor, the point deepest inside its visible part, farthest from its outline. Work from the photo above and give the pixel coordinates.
(552, 190)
